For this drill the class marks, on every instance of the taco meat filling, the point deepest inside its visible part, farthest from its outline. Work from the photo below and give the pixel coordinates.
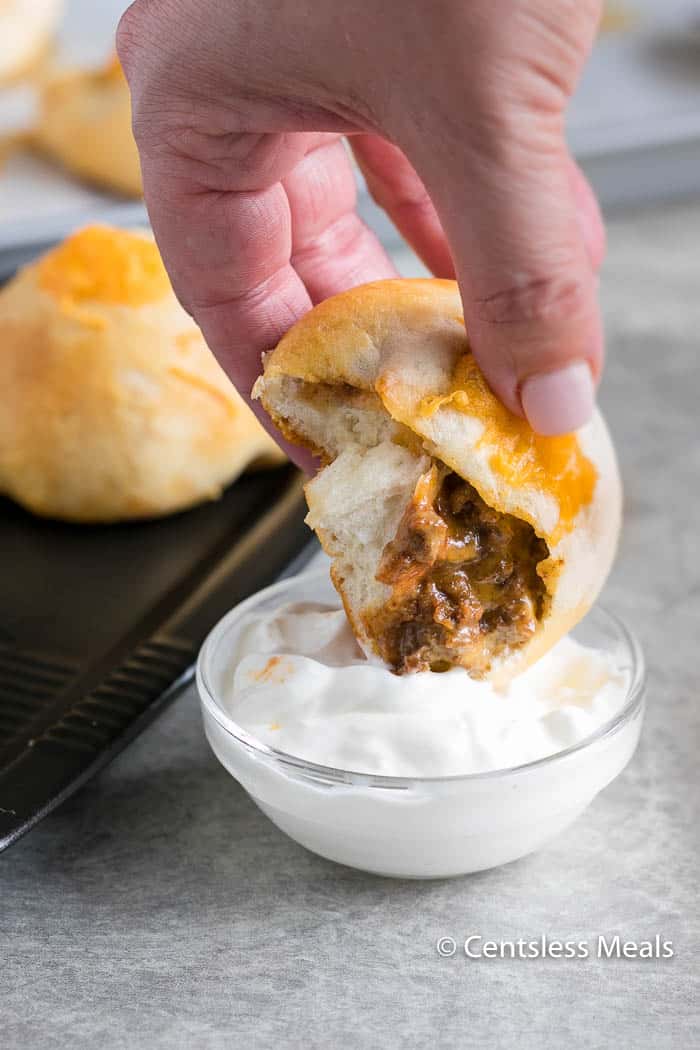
(463, 577)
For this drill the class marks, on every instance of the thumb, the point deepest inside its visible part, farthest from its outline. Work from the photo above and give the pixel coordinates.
(509, 200)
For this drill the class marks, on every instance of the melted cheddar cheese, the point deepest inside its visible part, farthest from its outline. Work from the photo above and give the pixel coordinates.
(105, 266)
(555, 466)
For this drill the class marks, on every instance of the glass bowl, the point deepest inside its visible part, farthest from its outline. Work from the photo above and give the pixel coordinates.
(417, 827)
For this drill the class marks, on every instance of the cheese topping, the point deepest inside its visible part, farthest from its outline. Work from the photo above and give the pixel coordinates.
(553, 465)
(107, 266)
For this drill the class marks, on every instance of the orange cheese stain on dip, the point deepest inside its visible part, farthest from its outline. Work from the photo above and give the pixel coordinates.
(275, 670)
(553, 465)
(106, 266)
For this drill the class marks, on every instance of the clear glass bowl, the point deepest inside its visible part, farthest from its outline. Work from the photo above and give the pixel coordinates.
(417, 827)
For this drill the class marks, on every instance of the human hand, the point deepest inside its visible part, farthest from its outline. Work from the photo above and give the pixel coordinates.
(455, 112)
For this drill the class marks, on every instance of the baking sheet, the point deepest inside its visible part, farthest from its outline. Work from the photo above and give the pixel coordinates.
(100, 626)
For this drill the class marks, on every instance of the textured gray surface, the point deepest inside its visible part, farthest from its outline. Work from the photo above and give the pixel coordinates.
(159, 908)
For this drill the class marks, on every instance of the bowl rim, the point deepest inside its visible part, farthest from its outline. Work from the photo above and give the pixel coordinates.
(633, 702)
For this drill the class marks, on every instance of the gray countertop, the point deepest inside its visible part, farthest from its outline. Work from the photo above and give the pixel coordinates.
(159, 908)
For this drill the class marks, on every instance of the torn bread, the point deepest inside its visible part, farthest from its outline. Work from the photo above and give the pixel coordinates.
(457, 535)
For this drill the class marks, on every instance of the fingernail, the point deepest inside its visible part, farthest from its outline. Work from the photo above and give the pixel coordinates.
(559, 402)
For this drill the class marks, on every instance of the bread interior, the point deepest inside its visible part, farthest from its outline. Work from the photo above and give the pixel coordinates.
(430, 575)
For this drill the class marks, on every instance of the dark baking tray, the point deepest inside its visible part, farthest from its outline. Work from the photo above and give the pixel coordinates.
(100, 625)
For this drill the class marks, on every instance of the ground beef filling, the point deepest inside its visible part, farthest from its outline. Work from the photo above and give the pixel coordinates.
(463, 577)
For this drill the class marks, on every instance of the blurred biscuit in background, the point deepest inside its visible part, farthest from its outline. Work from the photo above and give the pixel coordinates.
(26, 32)
(84, 123)
(113, 406)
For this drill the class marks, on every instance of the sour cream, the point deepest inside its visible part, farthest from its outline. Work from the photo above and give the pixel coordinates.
(421, 776)
(300, 684)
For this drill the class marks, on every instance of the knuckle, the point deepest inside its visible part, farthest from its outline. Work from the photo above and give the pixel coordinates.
(401, 195)
(417, 203)
(513, 129)
(343, 238)
(542, 300)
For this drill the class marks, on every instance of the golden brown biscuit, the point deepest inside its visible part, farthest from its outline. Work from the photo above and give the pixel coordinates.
(457, 534)
(112, 405)
(85, 124)
(26, 31)
(617, 17)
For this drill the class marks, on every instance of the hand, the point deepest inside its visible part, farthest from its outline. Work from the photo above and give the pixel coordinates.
(455, 112)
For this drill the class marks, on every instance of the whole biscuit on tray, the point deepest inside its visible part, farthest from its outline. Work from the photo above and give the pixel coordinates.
(113, 406)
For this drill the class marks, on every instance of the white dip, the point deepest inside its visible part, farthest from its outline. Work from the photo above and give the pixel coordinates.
(301, 685)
